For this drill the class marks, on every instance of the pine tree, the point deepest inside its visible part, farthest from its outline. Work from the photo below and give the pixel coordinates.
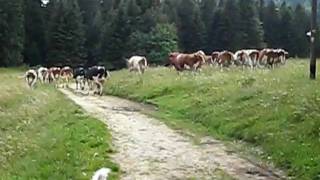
(67, 35)
(301, 26)
(11, 32)
(251, 30)
(92, 19)
(231, 29)
(261, 5)
(224, 30)
(116, 34)
(271, 25)
(286, 32)
(163, 40)
(169, 8)
(35, 37)
(216, 39)
(207, 8)
(191, 29)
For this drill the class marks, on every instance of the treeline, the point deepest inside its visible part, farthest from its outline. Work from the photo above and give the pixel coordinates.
(74, 32)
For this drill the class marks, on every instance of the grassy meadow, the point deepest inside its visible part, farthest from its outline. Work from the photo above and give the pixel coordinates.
(45, 136)
(275, 110)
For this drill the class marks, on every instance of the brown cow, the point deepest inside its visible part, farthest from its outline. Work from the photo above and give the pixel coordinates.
(180, 60)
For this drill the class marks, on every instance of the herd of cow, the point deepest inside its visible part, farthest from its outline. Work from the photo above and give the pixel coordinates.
(95, 76)
(250, 58)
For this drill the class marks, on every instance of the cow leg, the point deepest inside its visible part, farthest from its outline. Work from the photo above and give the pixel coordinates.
(33, 82)
(82, 84)
(28, 81)
(67, 82)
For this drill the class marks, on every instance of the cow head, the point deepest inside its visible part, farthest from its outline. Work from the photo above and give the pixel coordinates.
(173, 56)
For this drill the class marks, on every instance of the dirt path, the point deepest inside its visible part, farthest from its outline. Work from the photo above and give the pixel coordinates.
(149, 150)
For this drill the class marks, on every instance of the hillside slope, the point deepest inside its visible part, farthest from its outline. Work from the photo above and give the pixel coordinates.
(276, 110)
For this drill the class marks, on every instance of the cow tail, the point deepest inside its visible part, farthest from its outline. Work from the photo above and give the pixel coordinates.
(145, 62)
(108, 74)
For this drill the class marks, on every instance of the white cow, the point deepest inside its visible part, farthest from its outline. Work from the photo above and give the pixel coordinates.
(137, 63)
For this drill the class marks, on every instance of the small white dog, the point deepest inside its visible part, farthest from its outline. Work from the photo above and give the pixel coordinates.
(101, 174)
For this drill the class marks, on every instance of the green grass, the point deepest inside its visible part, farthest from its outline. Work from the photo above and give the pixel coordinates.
(278, 110)
(45, 136)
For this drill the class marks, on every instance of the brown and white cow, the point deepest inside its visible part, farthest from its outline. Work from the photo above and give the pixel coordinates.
(31, 77)
(181, 60)
(205, 58)
(53, 75)
(225, 59)
(265, 57)
(137, 63)
(66, 74)
(270, 57)
(214, 57)
(283, 55)
(242, 58)
(254, 55)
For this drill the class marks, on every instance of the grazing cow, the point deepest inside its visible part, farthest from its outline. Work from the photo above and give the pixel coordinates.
(42, 71)
(225, 59)
(96, 75)
(179, 60)
(79, 76)
(243, 59)
(66, 74)
(137, 63)
(31, 77)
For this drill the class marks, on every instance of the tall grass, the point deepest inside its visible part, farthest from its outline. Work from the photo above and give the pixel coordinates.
(45, 136)
(277, 110)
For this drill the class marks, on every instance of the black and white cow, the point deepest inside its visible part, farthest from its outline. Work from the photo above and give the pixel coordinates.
(79, 76)
(96, 75)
